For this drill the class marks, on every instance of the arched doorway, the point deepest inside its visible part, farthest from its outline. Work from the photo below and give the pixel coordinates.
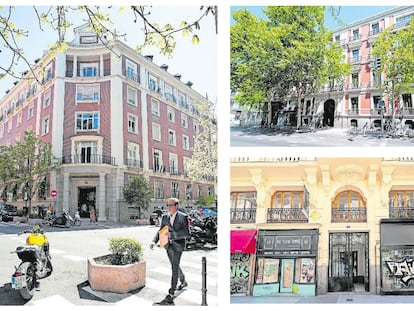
(329, 113)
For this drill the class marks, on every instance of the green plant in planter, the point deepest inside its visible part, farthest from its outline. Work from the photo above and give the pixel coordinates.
(125, 251)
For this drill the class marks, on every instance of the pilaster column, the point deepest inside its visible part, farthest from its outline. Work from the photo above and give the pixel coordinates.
(101, 66)
(65, 195)
(75, 66)
(101, 198)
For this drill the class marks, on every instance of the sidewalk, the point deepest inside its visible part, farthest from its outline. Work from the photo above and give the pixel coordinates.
(329, 298)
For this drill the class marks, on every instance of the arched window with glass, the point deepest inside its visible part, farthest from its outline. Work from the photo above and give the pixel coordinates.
(349, 206)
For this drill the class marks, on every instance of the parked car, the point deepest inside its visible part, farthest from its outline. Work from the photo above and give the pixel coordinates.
(208, 211)
(7, 212)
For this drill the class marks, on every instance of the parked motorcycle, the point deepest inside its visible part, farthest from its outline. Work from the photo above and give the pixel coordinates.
(35, 263)
(77, 220)
(202, 231)
(64, 220)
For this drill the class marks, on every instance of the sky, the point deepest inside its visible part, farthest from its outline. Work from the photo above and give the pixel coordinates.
(195, 62)
(347, 14)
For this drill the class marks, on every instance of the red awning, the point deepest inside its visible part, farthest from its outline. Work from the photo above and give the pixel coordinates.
(243, 241)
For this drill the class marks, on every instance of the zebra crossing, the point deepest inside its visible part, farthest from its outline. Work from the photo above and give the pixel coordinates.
(156, 287)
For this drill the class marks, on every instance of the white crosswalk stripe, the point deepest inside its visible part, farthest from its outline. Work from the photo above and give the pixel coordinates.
(188, 294)
(134, 301)
(188, 276)
(55, 300)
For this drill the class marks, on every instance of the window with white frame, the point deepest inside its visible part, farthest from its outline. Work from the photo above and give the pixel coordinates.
(156, 131)
(46, 99)
(188, 191)
(2, 130)
(19, 118)
(158, 189)
(45, 125)
(131, 70)
(132, 96)
(133, 157)
(157, 161)
(171, 138)
(155, 107)
(184, 121)
(168, 92)
(10, 125)
(30, 111)
(210, 191)
(17, 139)
(200, 191)
(87, 93)
(152, 83)
(171, 114)
(86, 121)
(132, 123)
(173, 160)
(181, 99)
(186, 142)
(48, 73)
(185, 165)
(174, 189)
(86, 152)
(89, 69)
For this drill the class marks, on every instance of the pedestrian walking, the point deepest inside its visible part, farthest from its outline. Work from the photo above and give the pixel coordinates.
(92, 215)
(177, 224)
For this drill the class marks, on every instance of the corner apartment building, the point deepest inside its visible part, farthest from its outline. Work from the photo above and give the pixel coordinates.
(358, 101)
(109, 114)
(308, 226)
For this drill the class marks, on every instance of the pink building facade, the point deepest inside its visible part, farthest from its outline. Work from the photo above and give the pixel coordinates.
(108, 119)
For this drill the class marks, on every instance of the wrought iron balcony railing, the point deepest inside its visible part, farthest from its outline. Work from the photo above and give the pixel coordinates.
(401, 212)
(353, 214)
(134, 164)
(275, 215)
(242, 215)
(88, 159)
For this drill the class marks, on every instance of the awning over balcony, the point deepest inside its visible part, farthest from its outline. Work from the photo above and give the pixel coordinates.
(243, 241)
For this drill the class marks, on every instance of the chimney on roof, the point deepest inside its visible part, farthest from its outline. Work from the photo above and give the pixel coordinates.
(177, 76)
(15, 82)
(37, 60)
(164, 66)
(149, 57)
(7, 91)
(189, 84)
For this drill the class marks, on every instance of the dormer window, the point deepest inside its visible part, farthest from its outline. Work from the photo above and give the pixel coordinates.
(153, 83)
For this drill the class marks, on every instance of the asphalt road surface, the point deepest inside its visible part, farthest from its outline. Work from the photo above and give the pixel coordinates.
(70, 248)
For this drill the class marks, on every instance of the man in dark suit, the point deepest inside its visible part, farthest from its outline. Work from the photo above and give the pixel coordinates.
(178, 231)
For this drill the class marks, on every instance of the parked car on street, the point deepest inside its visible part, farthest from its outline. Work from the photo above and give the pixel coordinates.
(7, 212)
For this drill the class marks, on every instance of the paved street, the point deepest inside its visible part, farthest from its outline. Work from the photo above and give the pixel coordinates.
(333, 137)
(70, 249)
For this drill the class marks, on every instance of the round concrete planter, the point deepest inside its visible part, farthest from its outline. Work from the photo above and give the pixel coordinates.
(116, 279)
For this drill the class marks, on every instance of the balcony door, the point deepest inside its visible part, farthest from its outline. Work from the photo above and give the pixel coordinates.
(86, 152)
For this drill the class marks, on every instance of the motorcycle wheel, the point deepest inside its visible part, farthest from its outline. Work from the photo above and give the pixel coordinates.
(49, 266)
(29, 270)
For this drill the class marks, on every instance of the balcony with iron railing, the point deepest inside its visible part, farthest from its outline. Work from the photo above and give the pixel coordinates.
(289, 215)
(242, 215)
(88, 159)
(401, 212)
(134, 164)
(69, 74)
(352, 214)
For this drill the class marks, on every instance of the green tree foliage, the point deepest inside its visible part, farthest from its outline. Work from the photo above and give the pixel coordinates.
(289, 54)
(137, 193)
(26, 166)
(393, 56)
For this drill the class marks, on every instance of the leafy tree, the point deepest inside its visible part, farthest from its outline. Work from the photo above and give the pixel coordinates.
(294, 58)
(58, 18)
(137, 193)
(31, 160)
(393, 53)
(203, 162)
